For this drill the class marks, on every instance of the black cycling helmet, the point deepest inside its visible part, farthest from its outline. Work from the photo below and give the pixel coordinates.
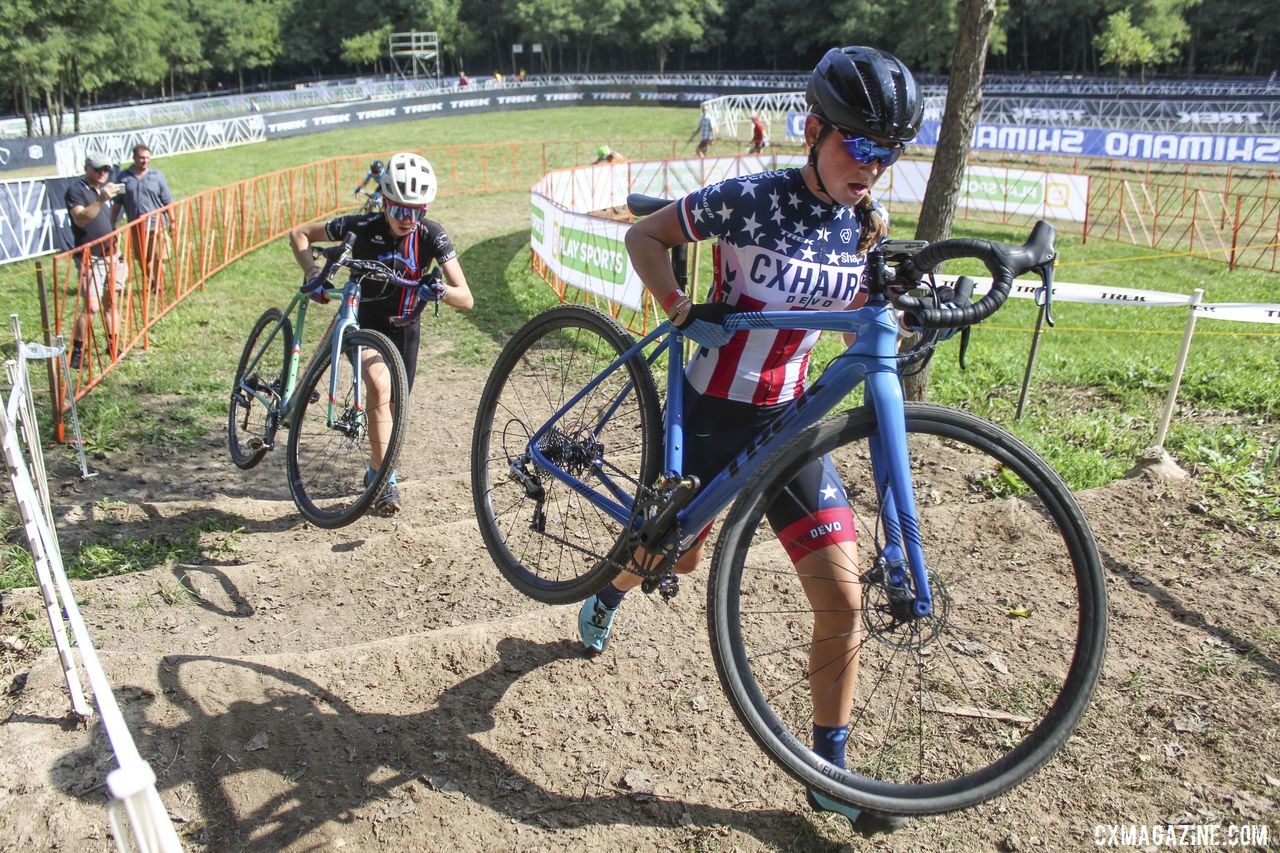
(376, 167)
(865, 90)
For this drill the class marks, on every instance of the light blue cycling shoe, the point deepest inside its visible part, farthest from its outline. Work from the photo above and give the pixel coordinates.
(595, 621)
(861, 821)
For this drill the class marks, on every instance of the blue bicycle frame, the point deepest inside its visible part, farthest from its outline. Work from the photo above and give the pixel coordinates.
(872, 357)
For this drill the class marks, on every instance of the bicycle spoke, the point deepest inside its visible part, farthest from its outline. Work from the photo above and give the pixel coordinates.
(940, 701)
(547, 538)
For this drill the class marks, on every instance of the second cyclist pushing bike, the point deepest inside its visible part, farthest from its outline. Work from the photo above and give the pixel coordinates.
(403, 238)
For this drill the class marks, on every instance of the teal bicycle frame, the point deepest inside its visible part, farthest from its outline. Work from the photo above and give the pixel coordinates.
(345, 319)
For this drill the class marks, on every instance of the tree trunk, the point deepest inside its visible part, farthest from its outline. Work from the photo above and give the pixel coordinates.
(964, 102)
(26, 110)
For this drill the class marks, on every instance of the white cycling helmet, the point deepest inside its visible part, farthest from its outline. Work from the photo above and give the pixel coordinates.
(409, 181)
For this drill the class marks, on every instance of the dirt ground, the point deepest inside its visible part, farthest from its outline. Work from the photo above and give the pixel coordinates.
(380, 687)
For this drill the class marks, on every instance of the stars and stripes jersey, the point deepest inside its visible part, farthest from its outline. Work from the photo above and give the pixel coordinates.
(780, 248)
(410, 256)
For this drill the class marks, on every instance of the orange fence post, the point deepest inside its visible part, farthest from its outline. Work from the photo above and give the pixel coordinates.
(55, 387)
(1235, 234)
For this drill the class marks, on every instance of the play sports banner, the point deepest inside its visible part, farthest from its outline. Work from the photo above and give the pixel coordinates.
(585, 251)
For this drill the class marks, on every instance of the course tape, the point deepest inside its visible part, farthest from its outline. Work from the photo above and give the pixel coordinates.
(1242, 312)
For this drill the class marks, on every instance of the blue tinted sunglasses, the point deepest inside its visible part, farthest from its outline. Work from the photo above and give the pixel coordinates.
(406, 214)
(864, 150)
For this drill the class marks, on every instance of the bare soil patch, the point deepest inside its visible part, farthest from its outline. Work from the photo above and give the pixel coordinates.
(380, 687)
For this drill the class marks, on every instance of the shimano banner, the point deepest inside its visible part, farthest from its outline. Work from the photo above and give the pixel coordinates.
(1122, 144)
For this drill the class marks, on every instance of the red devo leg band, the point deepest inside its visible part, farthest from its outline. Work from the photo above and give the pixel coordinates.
(671, 299)
(824, 528)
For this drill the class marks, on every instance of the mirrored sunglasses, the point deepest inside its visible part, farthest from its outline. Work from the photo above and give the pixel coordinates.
(865, 150)
(406, 214)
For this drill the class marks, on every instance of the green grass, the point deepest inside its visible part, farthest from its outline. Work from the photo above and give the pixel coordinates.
(203, 540)
(1095, 398)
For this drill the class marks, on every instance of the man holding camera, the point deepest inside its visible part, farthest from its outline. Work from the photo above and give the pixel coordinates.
(93, 203)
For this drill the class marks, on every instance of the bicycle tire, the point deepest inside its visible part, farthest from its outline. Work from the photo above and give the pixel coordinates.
(248, 419)
(551, 358)
(328, 465)
(988, 687)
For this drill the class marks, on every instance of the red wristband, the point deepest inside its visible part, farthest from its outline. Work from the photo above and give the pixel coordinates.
(671, 299)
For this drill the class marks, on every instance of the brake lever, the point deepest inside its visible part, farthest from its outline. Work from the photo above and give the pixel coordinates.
(1044, 296)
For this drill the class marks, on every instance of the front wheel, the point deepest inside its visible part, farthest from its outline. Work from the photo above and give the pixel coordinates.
(546, 538)
(333, 443)
(946, 710)
(258, 389)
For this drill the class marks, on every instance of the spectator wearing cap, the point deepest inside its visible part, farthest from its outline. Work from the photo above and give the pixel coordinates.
(146, 191)
(605, 154)
(93, 204)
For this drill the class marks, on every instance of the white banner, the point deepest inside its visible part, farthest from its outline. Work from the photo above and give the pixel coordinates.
(26, 226)
(585, 251)
(588, 252)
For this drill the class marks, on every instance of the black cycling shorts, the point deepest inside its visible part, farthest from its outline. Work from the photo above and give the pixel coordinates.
(813, 510)
(404, 338)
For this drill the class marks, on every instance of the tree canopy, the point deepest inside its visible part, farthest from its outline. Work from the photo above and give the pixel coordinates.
(59, 56)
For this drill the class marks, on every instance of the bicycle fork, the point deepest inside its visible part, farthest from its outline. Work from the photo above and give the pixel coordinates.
(902, 554)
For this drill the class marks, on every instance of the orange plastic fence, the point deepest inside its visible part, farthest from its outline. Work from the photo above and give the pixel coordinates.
(140, 272)
(105, 296)
(165, 257)
(1240, 228)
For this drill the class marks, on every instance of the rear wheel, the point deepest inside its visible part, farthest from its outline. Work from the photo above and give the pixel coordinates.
(258, 388)
(332, 443)
(546, 538)
(952, 708)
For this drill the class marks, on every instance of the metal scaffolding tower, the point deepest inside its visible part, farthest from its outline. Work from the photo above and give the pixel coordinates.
(415, 55)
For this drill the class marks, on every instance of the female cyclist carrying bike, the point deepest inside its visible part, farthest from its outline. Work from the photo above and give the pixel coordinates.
(793, 239)
(402, 237)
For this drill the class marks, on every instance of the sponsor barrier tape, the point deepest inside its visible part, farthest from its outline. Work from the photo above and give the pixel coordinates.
(587, 251)
(1243, 312)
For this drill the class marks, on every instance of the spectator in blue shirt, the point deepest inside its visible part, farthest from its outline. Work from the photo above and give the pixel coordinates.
(146, 191)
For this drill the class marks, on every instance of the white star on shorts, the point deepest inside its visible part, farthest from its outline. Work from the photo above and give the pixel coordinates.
(829, 492)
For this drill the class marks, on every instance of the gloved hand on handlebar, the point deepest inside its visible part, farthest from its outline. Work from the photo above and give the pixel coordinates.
(431, 289)
(313, 286)
(704, 324)
(945, 296)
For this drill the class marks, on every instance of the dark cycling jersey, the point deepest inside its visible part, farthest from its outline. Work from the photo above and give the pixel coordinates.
(411, 257)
